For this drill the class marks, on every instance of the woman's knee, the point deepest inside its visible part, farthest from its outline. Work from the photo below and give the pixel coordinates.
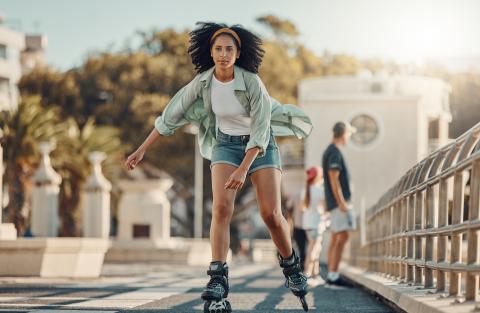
(222, 211)
(272, 218)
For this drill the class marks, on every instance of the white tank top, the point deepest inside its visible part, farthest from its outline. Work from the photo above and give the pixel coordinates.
(230, 115)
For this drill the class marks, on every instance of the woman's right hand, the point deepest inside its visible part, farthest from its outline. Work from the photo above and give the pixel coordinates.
(134, 158)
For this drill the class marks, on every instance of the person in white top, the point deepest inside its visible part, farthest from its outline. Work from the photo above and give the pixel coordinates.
(314, 223)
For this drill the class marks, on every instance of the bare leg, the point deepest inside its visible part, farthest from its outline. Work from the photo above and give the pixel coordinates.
(316, 268)
(342, 238)
(317, 247)
(267, 186)
(308, 265)
(331, 251)
(222, 210)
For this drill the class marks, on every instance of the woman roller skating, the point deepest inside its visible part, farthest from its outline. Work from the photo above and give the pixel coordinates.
(237, 121)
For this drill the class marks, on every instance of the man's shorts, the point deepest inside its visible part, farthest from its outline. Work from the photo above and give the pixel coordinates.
(342, 221)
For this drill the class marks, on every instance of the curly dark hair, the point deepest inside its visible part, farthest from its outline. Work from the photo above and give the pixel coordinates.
(251, 52)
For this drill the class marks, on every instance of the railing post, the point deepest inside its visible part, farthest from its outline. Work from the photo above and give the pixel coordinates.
(418, 240)
(374, 251)
(371, 245)
(390, 243)
(397, 251)
(403, 240)
(382, 242)
(456, 243)
(442, 242)
(378, 244)
(386, 245)
(431, 221)
(411, 225)
(473, 258)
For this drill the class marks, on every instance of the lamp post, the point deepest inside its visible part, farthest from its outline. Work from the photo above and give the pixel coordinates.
(198, 189)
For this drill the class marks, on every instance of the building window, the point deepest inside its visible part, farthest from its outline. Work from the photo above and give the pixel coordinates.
(367, 130)
(434, 129)
(3, 51)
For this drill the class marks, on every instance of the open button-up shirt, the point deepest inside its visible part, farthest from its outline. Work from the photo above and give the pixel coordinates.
(192, 104)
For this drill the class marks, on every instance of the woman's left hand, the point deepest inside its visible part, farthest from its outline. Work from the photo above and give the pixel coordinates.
(236, 180)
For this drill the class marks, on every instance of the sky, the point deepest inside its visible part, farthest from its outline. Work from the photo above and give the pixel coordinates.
(401, 30)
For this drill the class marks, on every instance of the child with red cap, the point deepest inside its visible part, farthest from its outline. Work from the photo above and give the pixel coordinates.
(314, 222)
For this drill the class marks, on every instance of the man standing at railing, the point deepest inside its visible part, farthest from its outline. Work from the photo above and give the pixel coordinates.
(337, 196)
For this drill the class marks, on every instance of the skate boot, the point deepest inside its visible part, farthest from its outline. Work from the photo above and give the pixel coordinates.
(294, 278)
(216, 292)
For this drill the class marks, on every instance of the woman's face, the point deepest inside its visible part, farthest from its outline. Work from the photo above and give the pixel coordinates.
(224, 52)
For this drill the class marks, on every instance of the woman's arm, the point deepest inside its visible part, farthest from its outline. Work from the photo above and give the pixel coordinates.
(260, 114)
(333, 176)
(237, 179)
(172, 118)
(152, 137)
(137, 156)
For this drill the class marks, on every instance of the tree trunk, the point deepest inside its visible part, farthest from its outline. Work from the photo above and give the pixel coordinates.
(69, 208)
(19, 191)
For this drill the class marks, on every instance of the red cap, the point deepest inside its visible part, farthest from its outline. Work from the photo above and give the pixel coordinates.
(312, 173)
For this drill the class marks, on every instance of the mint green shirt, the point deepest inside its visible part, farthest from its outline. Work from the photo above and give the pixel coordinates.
(192, 104)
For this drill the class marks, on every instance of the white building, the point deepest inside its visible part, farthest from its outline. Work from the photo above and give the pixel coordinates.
(399, 120)
(11, 44)
(34, 53)
(19, 53)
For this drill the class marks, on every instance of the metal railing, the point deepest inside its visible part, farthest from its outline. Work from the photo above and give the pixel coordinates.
(417, 230)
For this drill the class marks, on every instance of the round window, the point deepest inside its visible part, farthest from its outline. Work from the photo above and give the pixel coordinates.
(367, 129)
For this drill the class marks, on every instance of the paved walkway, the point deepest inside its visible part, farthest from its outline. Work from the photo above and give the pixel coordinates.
(162, 288)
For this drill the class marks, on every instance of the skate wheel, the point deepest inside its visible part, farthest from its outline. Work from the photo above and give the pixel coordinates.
(212, 306)
(304, 303)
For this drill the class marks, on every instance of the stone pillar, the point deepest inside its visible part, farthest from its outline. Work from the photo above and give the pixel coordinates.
(7, 230)
(45, 221)
(144, 209)
(96, 201)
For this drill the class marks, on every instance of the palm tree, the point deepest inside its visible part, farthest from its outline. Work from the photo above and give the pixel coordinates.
(30, 124)
(71, 161)
(23, 129)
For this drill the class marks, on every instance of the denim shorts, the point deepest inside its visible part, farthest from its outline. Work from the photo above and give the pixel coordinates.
(231, 150)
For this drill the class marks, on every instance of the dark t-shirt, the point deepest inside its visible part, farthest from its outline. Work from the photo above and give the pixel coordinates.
(333, 160)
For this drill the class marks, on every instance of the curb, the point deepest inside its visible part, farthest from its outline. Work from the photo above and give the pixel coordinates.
(410, 298)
